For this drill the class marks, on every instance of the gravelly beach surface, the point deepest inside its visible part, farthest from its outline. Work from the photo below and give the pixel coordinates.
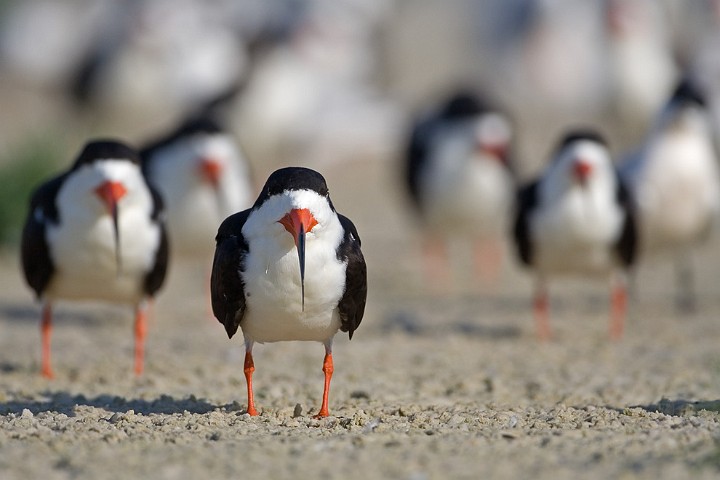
(438, 382)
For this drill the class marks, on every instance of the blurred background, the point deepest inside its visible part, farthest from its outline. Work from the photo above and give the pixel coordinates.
(335, 84)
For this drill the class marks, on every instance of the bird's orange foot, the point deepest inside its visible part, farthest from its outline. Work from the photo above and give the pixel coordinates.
(323, 413)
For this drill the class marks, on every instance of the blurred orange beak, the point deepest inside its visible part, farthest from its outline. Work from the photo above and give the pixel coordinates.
(582, 170)
(211, 170)
(497, 150)
(110, 194)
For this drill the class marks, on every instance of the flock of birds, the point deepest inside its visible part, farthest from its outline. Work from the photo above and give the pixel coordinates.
(585, 214)
(102, 231)
(289, 267)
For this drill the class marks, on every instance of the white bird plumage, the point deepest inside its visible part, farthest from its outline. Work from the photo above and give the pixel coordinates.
(175, 165)
(272, 279)
(577, 218)
(675, 181)
(82, 246)
(258, 281)
(575, 229)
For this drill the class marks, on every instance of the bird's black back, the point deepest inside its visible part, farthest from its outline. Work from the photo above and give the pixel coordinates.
(527, 201)
(352, 303)
(195, 125)
(227, 290)
(37, 265)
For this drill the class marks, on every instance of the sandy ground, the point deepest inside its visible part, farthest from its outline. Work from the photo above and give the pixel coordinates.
(437, 382)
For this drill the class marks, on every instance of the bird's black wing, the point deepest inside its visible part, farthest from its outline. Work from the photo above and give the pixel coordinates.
(352, 303)
(526, 203)
(416, 155)
(626, 246)
(35, 252)
(227, 291)
(156, 276)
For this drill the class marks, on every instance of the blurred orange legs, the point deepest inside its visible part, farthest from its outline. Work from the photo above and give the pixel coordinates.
(541, 310)
(140, 334)
(619, 310)
(46, 330)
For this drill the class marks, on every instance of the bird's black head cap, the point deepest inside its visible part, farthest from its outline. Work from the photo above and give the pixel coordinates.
(292, 178)
(463, 104)
(199, 124)
(194, 125)
(103, 149)
(578, 135)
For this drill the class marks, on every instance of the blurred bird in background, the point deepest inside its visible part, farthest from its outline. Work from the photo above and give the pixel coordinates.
(674, 179)
(314, 97)
(460, 180)
(577, 218)
(641, 62)
(333, 84)
(203, 177)
(96, 233)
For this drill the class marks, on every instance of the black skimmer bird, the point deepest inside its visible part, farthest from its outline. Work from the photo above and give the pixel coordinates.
(259, 280)
(202, 174)
(640, 61)
(577, 218)
(96, 233)
(459, 175)
(675, 181)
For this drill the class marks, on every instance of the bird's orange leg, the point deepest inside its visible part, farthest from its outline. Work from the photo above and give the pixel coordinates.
(488, 260)
(46, 330)
(541, 309)
(140, 334)
(328, 371)
(249, 368)
(619, 309)
(437, 263)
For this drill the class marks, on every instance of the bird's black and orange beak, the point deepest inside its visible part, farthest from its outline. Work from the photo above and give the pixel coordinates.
(497, 150)
(582, 170)
(210, 170)
(298, 222)
(110, 194)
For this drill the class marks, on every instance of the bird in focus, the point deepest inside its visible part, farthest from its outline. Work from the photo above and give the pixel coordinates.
(577, 218)
(289, 268)
(95, 232)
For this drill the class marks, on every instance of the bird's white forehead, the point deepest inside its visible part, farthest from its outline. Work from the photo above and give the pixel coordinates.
(275, 207)
(588, 151)
(110, 169)
(280, 204)
(212, 145)
(493, 128)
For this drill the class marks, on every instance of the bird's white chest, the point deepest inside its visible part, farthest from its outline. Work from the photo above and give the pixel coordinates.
(678, 193)
(274, 296)
(577, 232)
(467, 194)
(193, 208)
(83, 251)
